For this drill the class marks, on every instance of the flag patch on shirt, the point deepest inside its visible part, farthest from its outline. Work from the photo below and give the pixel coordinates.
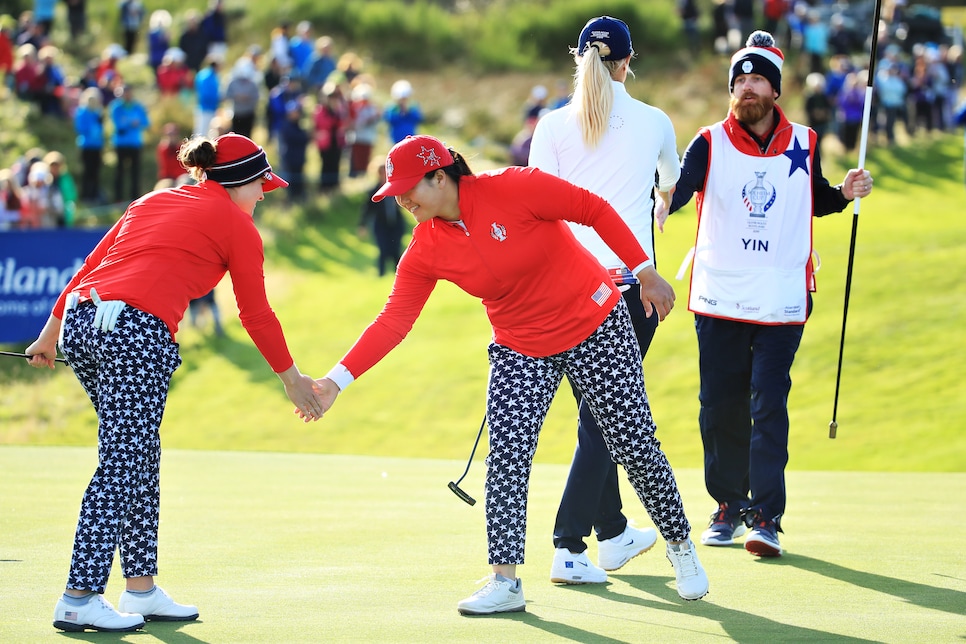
(601, 294)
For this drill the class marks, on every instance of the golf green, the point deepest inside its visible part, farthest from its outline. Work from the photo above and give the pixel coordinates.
(314, 548)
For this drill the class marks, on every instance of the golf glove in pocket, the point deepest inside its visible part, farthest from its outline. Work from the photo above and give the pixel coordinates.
(107, 312)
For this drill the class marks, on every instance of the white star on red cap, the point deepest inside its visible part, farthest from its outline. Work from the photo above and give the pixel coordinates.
(429, 156)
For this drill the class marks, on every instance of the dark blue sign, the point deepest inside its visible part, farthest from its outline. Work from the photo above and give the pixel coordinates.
(35, 266)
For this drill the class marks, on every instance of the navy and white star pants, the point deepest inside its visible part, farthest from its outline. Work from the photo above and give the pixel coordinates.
(607, 369)
(126, 373)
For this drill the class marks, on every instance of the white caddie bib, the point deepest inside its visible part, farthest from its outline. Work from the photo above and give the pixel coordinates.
(754, 235)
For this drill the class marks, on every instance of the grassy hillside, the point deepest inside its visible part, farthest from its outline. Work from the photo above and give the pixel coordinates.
(901, 405)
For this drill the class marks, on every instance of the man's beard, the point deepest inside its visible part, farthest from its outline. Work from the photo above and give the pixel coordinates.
(751, 113)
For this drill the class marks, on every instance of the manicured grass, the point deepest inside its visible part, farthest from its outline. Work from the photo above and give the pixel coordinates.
(324, 548)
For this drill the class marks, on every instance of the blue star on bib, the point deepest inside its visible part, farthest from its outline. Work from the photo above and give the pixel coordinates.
(799, 158)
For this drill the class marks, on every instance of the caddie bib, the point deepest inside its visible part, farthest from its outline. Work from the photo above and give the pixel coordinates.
(754, 236)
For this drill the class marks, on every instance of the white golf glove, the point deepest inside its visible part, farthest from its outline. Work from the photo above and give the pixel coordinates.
(107, 312)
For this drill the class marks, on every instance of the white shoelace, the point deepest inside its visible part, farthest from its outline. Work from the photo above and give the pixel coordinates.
(686, 563)
(490, 586)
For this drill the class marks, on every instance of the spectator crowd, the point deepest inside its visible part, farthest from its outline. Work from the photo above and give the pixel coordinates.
(306, 98)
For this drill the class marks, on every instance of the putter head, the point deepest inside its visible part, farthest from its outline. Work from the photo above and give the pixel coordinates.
(461, 494)
(832, 429)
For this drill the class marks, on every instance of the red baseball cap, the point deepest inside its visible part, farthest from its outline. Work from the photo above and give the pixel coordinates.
(408, 161)
(239, 160)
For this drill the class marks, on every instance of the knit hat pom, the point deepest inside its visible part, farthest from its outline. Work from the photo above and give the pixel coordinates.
(760, 39)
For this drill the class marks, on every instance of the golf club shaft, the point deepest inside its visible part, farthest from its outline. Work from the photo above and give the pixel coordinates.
(455, 487)
(14, 354)
(473, 452)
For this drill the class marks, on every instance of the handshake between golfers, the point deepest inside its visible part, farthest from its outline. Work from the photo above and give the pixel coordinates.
(328, 391)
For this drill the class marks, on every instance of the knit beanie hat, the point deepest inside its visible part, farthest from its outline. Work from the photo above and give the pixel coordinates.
(760, 56)
(239, 160)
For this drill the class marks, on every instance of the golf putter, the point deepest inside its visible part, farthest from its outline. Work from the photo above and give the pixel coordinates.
(455, 487)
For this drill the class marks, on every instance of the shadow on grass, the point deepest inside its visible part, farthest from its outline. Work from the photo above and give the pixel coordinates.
(741, 626)
(168, 632)
(563, 631)
(942, 599)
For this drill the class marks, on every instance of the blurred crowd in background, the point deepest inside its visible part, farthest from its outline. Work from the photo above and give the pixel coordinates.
(302, 96)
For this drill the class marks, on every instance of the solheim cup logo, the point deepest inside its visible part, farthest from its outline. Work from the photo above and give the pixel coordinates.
(389, 168)
(758, 195)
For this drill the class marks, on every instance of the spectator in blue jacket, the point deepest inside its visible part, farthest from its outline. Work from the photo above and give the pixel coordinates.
(293, 141)
(89, 126)
(159, 37)
(403, 115)
(208, 96)
(130, 120)
(44, 14)
(301, 47)
(287, 90)
(214, 27)
(318, 66)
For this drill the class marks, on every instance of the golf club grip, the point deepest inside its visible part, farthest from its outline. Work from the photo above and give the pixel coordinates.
(461, 494)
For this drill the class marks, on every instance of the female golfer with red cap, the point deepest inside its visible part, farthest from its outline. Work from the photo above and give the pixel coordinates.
(501, 236)
(116, 322)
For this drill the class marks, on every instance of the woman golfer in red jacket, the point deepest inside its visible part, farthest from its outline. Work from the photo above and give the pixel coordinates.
(116, 322)
(501, 236)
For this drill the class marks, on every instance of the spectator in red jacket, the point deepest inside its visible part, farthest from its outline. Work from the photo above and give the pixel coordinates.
(169, 165)
(174, 76)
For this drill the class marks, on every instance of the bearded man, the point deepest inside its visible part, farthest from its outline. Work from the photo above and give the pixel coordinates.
(758, 182)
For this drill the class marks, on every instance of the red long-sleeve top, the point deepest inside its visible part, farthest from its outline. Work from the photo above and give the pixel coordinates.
(172, 246)
(543, 292)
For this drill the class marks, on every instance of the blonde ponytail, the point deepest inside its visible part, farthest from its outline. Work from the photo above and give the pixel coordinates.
(593, 94)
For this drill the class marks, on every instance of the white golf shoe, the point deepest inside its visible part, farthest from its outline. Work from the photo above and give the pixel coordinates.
(570, 568)
(614, 553)
(691, 579)
(96, 615)
(499, 595)
(157, 606)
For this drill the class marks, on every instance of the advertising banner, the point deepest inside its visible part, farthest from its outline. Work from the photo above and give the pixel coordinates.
(35, 266)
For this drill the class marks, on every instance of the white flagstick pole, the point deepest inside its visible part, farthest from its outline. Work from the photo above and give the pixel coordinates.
(867, 109)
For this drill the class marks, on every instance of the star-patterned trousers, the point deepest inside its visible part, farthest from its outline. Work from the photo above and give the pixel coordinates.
(126, 373)
(606, 368)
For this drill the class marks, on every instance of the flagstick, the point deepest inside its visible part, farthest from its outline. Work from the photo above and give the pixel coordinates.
(867, 110)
